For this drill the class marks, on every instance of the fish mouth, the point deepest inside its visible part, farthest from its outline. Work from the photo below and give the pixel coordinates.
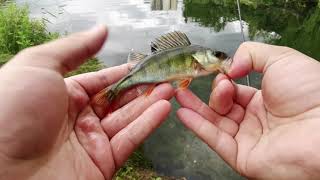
(226, 65)
(222, 67)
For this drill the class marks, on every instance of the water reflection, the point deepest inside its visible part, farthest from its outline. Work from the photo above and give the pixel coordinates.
(132, 24)
(164, 5)
(290, 23)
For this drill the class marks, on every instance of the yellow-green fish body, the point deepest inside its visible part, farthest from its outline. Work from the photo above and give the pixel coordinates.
(173, 64)
(174, 59)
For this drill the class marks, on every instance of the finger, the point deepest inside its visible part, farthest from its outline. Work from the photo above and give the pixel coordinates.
(188, 100)
(93, 139)
(129, 138)
(236, 113)
(254, 56)
(130, 94)
(66, 54)
(94, 82)
(217, 79)
(244, 94)
(119, 119)
(221, 98)
(222, 143)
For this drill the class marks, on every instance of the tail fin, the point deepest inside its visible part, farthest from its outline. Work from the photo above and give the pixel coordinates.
(104, 97)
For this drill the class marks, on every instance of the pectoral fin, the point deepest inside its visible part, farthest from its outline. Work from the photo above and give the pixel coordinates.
(184, 83)
(149, 90)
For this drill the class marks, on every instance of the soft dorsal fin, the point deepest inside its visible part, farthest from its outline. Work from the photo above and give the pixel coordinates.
(135, 57)
(170, 40)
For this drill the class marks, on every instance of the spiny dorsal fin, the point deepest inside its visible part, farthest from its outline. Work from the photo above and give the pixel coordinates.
(170, 40)
(135, 57)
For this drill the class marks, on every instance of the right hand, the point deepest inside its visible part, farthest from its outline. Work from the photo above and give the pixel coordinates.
(272, 133)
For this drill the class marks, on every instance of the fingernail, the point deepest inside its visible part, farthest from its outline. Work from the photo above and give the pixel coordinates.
(99, 27)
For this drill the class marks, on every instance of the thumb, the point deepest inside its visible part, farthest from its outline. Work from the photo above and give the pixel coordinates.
(254, 56)
(65, 54)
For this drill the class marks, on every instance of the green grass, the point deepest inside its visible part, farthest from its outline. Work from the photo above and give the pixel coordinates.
(91, 65)
(4, 58)
(136, 167)
(18, 31)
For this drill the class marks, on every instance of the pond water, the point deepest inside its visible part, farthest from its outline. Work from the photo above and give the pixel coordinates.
(174, 150)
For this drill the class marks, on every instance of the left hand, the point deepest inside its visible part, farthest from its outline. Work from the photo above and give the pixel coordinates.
(270, 133)
(49, 130)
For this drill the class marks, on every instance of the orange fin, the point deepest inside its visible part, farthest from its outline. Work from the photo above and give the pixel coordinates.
(100, 98)
(104, 97)
(184, 83)
(149, 89)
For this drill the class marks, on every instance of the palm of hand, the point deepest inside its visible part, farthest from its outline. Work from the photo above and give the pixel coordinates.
(69, 138)
(46, 130)
(278, 129)
(267, 133)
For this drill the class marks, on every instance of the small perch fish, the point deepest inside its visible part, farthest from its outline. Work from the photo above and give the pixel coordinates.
(173, 59)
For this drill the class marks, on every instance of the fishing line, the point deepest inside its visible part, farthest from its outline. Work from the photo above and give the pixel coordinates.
(242, 33)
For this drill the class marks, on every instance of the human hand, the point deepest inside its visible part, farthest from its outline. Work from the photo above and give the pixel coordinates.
(49, 129)
(270, 133)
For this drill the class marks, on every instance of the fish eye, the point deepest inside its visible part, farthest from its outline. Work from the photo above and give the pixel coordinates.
(220, 55)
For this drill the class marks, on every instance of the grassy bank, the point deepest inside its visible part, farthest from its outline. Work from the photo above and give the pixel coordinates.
(18, 31)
